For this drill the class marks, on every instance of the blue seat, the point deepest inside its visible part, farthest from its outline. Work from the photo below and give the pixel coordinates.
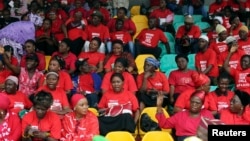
(203, 25)
(197, 18)
(178, 19)
(213, 88)
(191, 62)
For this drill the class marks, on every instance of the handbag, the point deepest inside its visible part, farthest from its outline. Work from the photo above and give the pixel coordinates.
(116, 110)
(147, 124)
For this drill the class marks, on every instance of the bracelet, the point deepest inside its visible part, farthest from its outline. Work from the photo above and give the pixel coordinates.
(28, 136)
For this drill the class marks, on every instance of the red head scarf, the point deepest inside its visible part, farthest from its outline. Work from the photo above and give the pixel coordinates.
(199, 94)
(75, 99)
(200, 79)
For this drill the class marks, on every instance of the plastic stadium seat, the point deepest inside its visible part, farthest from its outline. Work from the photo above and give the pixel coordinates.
(212, 88)
(47, 59)
(178, 19)
(119, 136)
(135, 10)
(203, 25)
(191, 63)
(157, 136)
(151, 111)
(140, 59)
(167, 62)
(177, 25)
(163, 49)
(93, 110)
(171, 42)
(197, 18)
(141, 22)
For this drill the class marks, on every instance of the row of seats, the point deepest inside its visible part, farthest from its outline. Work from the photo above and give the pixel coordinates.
(149, 136)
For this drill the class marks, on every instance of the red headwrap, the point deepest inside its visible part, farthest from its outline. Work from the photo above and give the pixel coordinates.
(75, 99)
(200, 94)
(200, 79)
(5, 102)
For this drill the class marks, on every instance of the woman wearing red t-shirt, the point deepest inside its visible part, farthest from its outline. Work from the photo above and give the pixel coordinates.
(235, 113)
(95, 58)
(120, 66)
(81, 124)
(41, 123)
(185, 122)
(120, 106)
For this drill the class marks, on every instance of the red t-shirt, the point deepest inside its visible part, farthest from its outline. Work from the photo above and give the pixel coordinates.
(183, 101)
(60, 99)
(194, 32)
(110, 63)
(127, 25)
(204, 59)
(40, 32)
(124, 36)
(56, 29)
(94, 57)
(214, 7)
(128, 84)
(184, 124)
(244, 45)
(214, 102)
(111, 98)
(228, 117)
(70, 60)
(49, 123)
(235, 32)
(240, 79)
(212, 36)
(100, 31)
(42, 62)
(181, 80)
(151, 37)
(82, 10)
(18, 102)
(235, 6)
(234, 61)
(226, 22)
(86, 83)
(3, 75)
(159, 13)
(104, 11)
(158, 82)
(218, 47)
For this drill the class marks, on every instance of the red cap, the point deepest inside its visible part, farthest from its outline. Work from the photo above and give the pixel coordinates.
(200, 79)
(75, 99)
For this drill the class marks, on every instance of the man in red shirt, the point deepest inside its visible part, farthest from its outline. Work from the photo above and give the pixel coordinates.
(147, 40)
(97, 7)
(187, 37)
(244, 41)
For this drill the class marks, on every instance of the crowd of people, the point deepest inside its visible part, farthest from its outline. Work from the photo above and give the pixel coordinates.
(92, 51)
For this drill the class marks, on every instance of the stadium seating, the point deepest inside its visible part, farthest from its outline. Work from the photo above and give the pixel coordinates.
(157, 136)
(120, 136)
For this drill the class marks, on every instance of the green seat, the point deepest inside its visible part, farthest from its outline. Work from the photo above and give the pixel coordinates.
(167, 62)
(178, 19)
(177, 25)
(163, 49)
(191, 62)
(171, 42)
(197, 18)
(203, 25)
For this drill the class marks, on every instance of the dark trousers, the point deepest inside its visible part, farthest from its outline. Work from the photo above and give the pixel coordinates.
(141, 49)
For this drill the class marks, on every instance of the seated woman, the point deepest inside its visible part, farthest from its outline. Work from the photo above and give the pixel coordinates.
(122, 100)
(57, 64)
(10, 125)
(180, 79)
(81, 124)
(45, 41)
(60, 103)
(201, 82)
(86, 82)
(41, 123)
(18, 100)
(219, 99)
(235, 114)
(185, 122)
(29, 77)
(65, 53)
(30, 48)
(4, 73)
(117, 51)
(120, 67)
(95, 58)
(150, 82)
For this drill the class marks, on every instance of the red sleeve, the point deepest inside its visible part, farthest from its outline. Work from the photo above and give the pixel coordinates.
(132, 84)
(180, 32)
(55, 127)
(103, 102)
(212, 59)
(28, 103)
(197, 32)
(163, 37)
(23, 62)
(67, 82)
(164, 122)
(106, 35)
(106, 81)
(140, 35)
(25, 121)
(139, 80)
(165, 83)
(42, 62)
(171, 78)
(132, 26)
(14, 61)
(16, 132)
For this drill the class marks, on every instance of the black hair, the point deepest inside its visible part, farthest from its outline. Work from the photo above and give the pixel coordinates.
(123, 61)
(224, 75)
(119, 20)
(67, 41)
(60, 60)
(30, 41)
(181, 56)
(99, 41)
(232, 17)
(124, 9)
(117, 42)
(243, 96)
(245, 56)
(43, 98)
(116, 75)
(46, 19)
(79, 63)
